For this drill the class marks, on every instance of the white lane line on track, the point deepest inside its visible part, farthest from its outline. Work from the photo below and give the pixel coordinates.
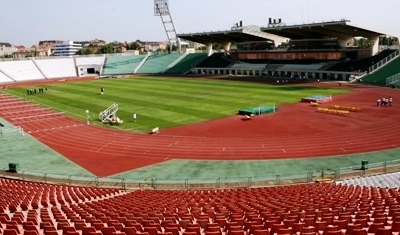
(177, 142)
(283, 151)
(98, 150)
(344, 150)
(54, 128)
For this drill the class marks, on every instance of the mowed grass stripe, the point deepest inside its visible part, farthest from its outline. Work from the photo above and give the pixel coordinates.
(166, 102)
(152, 109)
(186, 92)
(204, 94)
(150, 112)
(75, 103)
(155, 93)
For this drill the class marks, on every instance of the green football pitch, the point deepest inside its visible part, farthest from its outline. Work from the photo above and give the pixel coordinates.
(164, 101)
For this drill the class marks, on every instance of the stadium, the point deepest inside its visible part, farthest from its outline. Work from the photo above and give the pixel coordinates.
(286, 130)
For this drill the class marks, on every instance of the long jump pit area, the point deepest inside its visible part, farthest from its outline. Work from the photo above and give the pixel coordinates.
(295, 131)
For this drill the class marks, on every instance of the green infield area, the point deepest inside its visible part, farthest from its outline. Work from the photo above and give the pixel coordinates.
(163, 101)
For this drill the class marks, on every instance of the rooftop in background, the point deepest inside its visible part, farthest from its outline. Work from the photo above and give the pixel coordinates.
(5, 44)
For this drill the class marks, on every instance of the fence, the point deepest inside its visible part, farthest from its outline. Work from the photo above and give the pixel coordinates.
(393, 79)
(383, 62)
(210, 183)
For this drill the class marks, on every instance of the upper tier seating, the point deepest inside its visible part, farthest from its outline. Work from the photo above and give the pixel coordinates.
(21, 70)
(379, 77)
(122, 64)
(186, 63)
(360, 64)
(216, 60)
(57, 68)
(158, 63)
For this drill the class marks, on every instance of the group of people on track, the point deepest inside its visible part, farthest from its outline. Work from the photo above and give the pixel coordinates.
(384, 101)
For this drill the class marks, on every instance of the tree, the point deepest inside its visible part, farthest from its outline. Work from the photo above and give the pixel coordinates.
(174, 48)
(6, 56)
(106, 49)
(387, 40)
(137, 45)
(35, 53)
(84, 51)
(362, 43)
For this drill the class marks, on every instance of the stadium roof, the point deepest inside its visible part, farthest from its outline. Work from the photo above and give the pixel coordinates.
(237, 34)
(342, 29)
(335, 29)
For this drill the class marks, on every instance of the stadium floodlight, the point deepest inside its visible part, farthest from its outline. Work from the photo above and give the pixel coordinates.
(161, 9)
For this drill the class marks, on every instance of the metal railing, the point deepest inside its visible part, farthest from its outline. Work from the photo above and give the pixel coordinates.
(267, 180)
(383, 62)
(393, 79)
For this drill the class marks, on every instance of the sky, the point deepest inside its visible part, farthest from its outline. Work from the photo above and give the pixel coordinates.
(26, 22)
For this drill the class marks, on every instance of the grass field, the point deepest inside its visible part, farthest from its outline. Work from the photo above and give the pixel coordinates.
(165, 102)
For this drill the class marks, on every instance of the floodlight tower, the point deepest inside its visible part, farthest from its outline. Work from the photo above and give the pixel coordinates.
(161, 9)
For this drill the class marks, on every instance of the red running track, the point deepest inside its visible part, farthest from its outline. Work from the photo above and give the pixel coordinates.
(295, 131)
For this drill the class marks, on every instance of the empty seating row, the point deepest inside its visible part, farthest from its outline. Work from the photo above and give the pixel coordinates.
(158, 63)
(21, 70)
(56, 68)
(122, 64)
(319, 209)
(389, 180)
(4, 78)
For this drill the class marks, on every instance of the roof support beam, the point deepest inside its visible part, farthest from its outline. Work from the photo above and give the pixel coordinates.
(209, 49)
(227, 47)
(375, 44)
